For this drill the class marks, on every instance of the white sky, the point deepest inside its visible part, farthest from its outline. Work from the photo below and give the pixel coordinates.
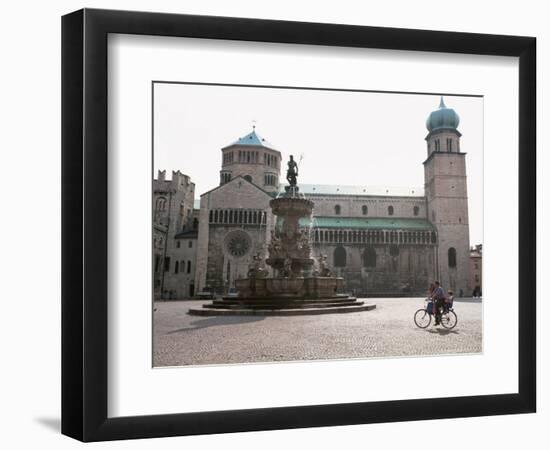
(349, 138)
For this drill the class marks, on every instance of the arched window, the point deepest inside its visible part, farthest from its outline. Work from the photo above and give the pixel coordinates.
(364, 210)
(161, 204)
(451, 254)
(188, 266)
(248, 178)
(369, 257)
(416, 210)
(340, 257)
(390, 210)
(337, 209)
(176, 267)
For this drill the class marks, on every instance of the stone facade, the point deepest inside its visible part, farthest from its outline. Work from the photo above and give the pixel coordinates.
(235, 224)
(383, 242)
(173, 204)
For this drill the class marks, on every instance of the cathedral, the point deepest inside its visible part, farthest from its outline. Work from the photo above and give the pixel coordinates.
(382, 243)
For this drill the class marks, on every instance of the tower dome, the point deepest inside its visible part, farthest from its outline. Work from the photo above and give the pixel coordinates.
(442, 118)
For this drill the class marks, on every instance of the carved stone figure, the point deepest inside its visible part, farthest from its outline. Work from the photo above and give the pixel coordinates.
(287, 268)
(275, 245)
(303, 243)
(324, 271)
(256, 269)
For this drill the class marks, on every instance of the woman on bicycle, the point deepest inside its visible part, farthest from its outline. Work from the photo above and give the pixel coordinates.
(438, 297)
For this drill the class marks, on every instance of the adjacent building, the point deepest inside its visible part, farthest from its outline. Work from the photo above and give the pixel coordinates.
(476, 270)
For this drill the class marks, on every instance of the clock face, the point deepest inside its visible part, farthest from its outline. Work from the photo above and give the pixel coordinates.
(238, 243)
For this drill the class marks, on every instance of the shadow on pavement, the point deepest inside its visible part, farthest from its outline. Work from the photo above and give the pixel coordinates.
(216, 321)
(442, 331)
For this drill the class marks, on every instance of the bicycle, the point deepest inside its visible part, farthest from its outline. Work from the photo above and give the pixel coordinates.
(423, 316)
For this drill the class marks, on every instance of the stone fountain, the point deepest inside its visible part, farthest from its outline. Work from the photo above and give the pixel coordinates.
(297, 287)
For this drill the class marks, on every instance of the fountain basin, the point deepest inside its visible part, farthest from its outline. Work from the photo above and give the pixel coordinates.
(291, 206)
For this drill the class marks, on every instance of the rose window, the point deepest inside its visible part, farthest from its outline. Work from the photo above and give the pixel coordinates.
(237, 243)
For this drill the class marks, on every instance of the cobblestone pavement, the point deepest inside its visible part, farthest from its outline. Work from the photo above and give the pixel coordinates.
(389, 330)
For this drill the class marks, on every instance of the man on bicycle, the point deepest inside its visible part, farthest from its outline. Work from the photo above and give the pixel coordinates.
(438, 297)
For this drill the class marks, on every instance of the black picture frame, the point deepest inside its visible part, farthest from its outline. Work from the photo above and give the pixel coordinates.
(84, 224)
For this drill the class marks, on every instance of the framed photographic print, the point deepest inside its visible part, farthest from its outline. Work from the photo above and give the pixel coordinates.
(273, 224)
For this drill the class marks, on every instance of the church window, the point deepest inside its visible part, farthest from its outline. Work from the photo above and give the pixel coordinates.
(390, 210)
(451, 254)
(176, 267)
(364, 210)
(188, 266)
(369, 257)
(340, 257)
(337, 209)
(416, 210)
(211, 216)
(167, 264)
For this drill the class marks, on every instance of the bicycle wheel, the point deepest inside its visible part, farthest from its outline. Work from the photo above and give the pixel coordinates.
(422, 319)
(449, 320)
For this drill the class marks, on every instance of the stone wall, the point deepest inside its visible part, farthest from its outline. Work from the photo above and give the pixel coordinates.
(400, 270)
(377, 206)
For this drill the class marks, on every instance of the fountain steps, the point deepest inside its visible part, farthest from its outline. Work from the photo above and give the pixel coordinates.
(299, 305)
(357, 307)
(282, 300)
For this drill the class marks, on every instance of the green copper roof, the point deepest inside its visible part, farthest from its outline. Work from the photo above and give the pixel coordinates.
(253, 139)
(372, 223)
(442, 118)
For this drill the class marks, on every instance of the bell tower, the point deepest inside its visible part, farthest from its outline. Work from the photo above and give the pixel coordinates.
(447, 197)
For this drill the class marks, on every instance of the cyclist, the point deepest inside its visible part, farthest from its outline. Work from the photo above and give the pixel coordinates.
(439, 298)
